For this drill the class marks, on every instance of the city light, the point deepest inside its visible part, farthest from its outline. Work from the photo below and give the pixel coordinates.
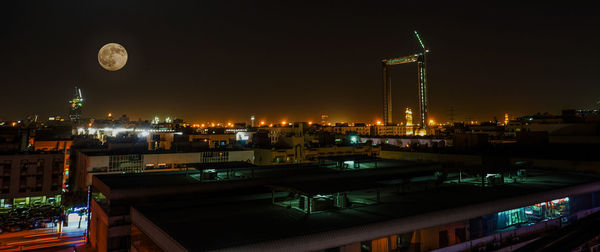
(297, 181)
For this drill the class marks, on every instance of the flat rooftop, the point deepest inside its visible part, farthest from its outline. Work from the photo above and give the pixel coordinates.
(159, 179)
(105, 152)
(217, 223)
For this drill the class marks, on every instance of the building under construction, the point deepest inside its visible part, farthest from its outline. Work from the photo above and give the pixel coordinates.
(421, 59)
(76, 103)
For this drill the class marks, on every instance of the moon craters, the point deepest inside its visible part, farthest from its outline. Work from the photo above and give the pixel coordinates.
(112, 56)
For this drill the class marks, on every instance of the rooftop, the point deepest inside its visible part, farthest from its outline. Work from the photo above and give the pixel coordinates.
(253, 219)
(105, 152)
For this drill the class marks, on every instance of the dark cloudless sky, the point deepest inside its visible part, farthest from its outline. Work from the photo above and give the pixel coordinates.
(226, 60)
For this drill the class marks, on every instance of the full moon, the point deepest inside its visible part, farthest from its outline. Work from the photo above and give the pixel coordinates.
(112, 56)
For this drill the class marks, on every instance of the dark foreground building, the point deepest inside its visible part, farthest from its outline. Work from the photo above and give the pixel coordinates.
(391, 206)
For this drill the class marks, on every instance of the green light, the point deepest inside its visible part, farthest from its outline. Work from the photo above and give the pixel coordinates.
(354, 139)
(420, 41)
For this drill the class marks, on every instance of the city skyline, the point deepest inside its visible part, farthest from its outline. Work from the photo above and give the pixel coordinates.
(340, 125)
(226, 61)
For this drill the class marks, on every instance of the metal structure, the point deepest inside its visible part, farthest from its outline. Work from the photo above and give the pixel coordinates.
(76, 104)
(421, 59)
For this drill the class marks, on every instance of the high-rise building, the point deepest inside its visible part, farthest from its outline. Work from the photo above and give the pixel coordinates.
(76, 104)
(409, 121)
(324, 119)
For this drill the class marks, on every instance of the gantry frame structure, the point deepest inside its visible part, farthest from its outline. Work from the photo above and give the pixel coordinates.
(421, 59)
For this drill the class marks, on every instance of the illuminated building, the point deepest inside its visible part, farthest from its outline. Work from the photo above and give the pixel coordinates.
(387, 130)
(409, 122)
(360, 129)
(324, 119)
(506, 119)
(27, 179)
(76, 105)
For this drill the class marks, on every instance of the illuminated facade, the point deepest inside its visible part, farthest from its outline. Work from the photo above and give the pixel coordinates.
(409, 122)
(388, 130)
(30, 179)
(324, 119)
(360, 130)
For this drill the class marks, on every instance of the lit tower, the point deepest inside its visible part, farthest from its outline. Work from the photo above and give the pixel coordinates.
(76, 104)
(409, 122)
(324, 119)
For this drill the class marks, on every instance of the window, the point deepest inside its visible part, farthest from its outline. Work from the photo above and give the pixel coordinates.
(214, 157)
(460, 234)
(444, 240)
(125, 163)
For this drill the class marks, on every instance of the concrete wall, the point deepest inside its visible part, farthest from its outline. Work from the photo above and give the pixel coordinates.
(246, 156)
(98, 231)
(564, 165)
(96, 162)
(432, 157)
(172, 158)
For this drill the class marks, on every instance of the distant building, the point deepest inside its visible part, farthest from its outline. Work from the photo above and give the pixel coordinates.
(409, 122)
(324, 119)
(360, 129)
(299, 154)
(572, 127)
(388, 130)
(76, 106)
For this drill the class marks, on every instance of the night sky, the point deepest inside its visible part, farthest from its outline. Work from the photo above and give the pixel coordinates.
(293, 60)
